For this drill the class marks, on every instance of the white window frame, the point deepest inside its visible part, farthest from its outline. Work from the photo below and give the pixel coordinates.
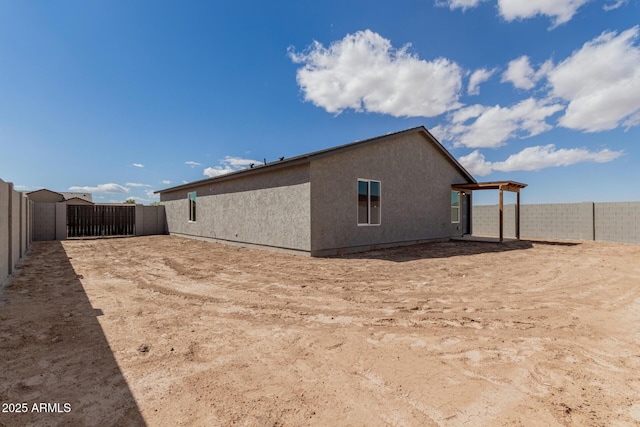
(192, 209)
(456, 207)
(368, 223)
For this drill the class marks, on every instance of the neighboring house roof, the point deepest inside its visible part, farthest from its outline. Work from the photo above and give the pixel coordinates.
(305, 158)
(78, 201)
(84, 196)
(44, 194)
(54, 196)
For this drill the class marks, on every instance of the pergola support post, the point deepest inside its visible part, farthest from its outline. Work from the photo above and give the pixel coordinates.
(502, 186)
(501, 216)
(518, 214)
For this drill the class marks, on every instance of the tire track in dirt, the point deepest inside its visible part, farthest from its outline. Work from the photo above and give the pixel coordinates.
(444, 334)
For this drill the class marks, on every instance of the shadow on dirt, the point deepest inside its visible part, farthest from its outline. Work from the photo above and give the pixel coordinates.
(448, 249)
(551, 243)
(54, 351)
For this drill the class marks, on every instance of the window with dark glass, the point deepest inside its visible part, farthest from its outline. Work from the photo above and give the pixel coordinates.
(192, 206)
(455, 206)
(374, 202)
(368, 202)
(363, 202)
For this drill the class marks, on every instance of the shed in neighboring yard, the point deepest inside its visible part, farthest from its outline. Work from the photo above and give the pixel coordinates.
(47, 196)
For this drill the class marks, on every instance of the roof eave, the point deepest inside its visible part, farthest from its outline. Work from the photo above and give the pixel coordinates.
(306, 158)
(232, 175)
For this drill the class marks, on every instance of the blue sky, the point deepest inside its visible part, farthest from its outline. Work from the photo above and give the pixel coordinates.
(122, 98)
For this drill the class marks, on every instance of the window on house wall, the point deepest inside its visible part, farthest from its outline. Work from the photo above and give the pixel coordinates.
(368, 202)
(192, 206)
(455, 206)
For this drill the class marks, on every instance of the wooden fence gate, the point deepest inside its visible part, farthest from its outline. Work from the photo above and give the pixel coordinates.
(100, 220)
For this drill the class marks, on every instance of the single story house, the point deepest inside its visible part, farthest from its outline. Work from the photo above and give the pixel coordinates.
(392, 190)
(47, 196)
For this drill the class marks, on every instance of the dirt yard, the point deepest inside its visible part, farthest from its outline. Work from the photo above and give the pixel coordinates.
(166, 331)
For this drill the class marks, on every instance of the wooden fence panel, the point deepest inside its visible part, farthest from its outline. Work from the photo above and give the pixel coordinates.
(100, 220)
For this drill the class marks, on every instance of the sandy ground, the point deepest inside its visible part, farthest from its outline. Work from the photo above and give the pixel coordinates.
(169, 331)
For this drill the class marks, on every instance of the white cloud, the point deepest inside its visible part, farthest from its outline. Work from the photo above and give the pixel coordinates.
(634, 120)
(521, 74)
(478, 126)
(150, 194)
(192, 163)
(237, 161)
(601, 82)
(536, 158)
(138, 165)
(218, 170)
(477, 78)
(560, 11)
(135, 184)
(459, 4)
(102, 188)
(471, 112)
(612, 6)
(364, 72)
(227, 165)
(166, 182)
(476, 164)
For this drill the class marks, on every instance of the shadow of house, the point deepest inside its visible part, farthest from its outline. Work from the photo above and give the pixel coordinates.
(434, 250)
(54, 350)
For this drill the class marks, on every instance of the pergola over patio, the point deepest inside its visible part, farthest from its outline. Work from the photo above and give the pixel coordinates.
(502, 186)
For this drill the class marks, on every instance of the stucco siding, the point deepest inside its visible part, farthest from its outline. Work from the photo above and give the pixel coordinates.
(415, 181)
(270, 209)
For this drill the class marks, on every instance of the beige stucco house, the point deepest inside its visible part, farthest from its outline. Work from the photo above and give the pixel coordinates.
(386, 191)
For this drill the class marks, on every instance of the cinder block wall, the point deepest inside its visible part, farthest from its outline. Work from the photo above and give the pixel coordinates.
(558, 221)
(613, 222)
(150, 220)
(24, 225)
(485, 220)
(44, 221)
(617, 222)
(5, 231)
(14, 228)
(50, 221)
